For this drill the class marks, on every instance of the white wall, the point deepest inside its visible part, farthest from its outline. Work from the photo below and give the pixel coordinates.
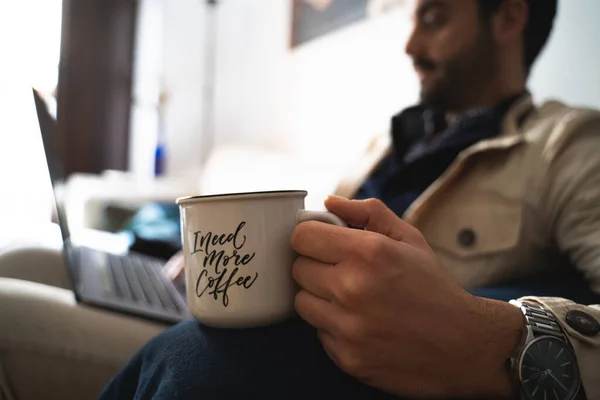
(183, 68)
(148, 75)
(322, 101)
(169, 53)
(319, 102)
(346, 87)
(569, 69)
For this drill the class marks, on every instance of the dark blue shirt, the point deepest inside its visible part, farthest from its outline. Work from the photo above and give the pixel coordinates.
(424, 146)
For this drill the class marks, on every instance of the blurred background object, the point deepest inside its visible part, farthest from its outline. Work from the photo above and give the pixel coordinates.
(123, 78)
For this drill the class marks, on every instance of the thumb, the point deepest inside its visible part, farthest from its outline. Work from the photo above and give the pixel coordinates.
(374, 216)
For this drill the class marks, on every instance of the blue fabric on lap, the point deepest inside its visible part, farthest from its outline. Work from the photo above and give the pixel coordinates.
(192, 361)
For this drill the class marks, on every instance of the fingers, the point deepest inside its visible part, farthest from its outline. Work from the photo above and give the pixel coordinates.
(318, 312)
(324, 242)
(332, 244)
(374, 216)
(314, 276)
(175, 267)
(329, 345)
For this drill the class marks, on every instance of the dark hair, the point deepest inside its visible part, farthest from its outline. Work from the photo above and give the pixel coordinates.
(538, 28)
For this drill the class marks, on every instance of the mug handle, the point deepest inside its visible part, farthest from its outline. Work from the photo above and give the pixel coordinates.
(321, 216)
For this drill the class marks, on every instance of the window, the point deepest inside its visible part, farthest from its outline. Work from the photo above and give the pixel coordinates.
(30, 48)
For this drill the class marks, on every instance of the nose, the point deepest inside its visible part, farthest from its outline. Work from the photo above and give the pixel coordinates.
(413, 46)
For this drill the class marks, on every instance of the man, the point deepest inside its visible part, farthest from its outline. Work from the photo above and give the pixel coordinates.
(491, 188)
(494, 189)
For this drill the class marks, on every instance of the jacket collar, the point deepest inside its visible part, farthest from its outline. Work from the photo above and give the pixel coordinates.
(516, 115)
(407, 126)
(512, 132)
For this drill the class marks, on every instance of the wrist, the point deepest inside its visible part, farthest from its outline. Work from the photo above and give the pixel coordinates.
(500, 330)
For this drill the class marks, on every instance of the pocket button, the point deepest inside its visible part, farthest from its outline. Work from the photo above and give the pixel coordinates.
(467, 238)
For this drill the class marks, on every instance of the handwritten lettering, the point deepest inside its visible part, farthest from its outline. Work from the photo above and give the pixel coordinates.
(221, 283)
(202, 243)
(217, 259)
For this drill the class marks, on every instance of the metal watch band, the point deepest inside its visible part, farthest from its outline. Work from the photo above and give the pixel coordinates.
(541, 321)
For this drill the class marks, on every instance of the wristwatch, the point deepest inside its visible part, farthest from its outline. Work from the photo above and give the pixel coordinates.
(544, 363)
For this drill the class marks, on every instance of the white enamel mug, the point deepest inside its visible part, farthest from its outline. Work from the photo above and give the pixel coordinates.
(238, 257)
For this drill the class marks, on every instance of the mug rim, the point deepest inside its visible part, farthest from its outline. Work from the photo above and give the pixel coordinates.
(264, 194)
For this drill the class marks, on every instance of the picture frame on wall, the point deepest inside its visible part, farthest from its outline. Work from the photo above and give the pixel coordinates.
(312, 19)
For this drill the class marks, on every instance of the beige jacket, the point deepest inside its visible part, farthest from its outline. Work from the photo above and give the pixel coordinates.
(509, 206)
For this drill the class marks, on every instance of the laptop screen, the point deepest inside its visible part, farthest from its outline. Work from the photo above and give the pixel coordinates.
(55, 167)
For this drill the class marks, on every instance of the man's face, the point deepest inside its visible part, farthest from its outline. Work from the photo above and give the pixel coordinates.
(453, 53)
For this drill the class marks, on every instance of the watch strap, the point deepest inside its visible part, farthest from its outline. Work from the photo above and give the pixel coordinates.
(540, 320)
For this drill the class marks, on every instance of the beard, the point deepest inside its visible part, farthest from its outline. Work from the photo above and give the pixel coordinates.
(455, 84)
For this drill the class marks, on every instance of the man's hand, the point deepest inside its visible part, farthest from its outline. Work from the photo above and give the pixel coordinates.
(175, 267)
(388, 313)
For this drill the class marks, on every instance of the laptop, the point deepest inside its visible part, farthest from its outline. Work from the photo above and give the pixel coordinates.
(130, 283)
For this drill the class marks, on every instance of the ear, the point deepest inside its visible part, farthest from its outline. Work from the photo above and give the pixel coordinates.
(509, 22)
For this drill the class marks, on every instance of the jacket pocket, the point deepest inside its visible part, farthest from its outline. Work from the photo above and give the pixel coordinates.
(475, 228)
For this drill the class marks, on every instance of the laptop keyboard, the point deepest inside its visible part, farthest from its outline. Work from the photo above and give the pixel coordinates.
(137, 280)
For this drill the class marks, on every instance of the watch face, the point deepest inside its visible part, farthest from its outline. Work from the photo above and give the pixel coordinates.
(548, 370)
